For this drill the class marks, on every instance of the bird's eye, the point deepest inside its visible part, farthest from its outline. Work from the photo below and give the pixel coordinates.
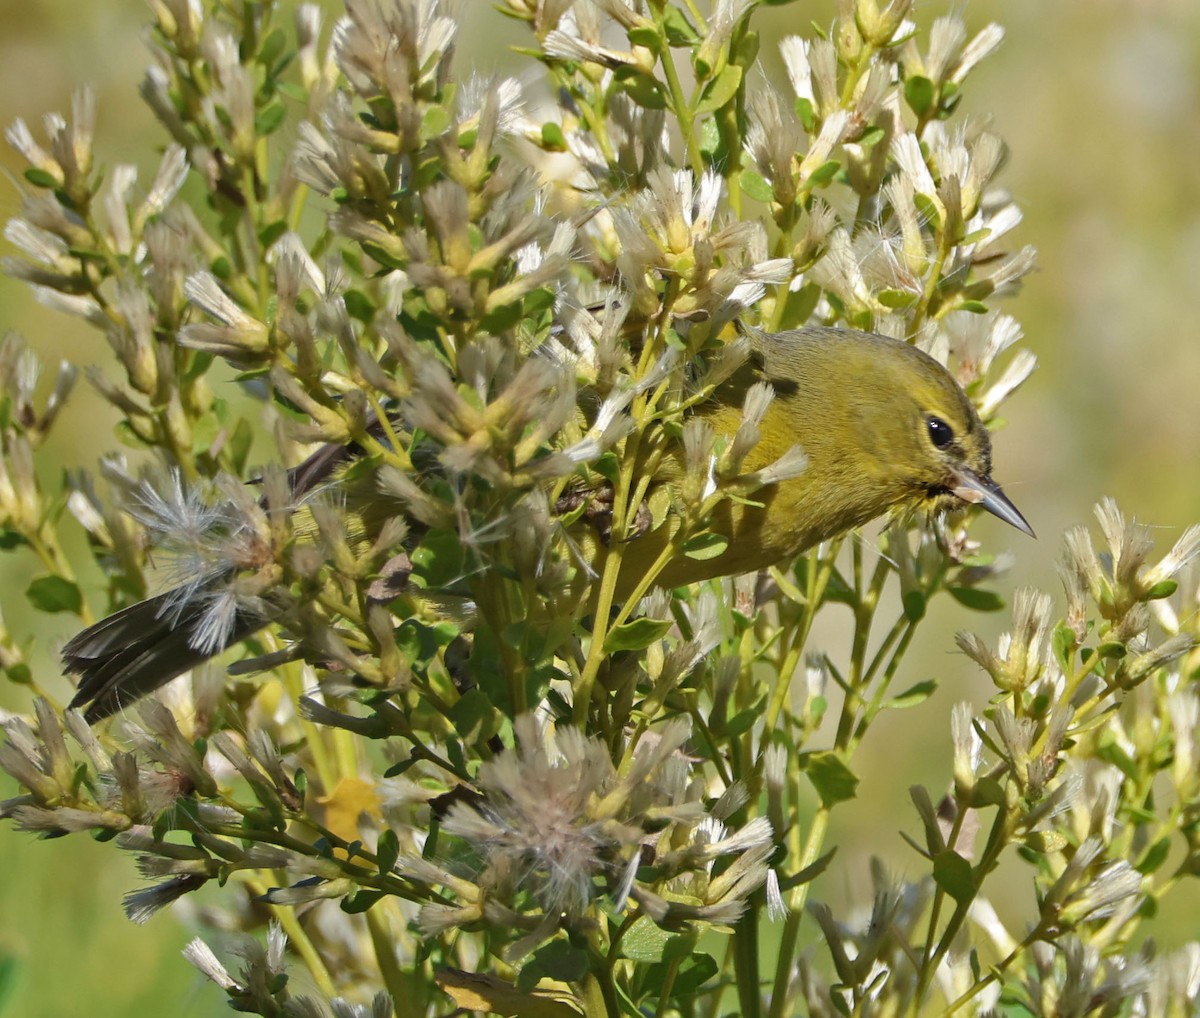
(940, 433)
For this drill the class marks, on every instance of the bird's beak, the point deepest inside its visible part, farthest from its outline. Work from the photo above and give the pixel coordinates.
(983, 491)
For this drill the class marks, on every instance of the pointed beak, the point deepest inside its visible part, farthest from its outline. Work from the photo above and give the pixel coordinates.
(983, 491)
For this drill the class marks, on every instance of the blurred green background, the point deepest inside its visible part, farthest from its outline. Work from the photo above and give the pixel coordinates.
(1099, 103)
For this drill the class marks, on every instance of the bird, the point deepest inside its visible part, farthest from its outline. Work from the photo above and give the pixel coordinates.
(886, 429)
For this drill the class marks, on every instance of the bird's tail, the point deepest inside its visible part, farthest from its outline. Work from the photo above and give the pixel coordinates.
(131, 653)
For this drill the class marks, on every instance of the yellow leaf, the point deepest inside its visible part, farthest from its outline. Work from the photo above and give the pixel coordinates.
(346, 803)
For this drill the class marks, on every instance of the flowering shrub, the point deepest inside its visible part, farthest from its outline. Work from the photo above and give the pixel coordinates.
(471, 753)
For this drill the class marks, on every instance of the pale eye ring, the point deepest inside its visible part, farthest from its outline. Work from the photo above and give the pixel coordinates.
(940, 433)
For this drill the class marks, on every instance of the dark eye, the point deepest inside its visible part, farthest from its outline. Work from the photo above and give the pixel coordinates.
(940, 433)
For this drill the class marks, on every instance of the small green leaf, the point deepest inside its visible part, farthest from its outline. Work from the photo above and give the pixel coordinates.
(552, 137)
(756, 187)
(914, 695)
(953, 874)
(361, 900)
(918, 93)
(798, 305)
(645, 35)
(914, 605)
(928, 211)
(678, 29)
(434, 123)
(696, 970)
(824, 173)
(636, 635)
(1112, 650)
(502, 318)
(704, 546)
(1163, 588)
(899, 299)
(1155, 856)
(741, 722)
(646, 91)
(745, 51)
(269, 119)
(10, 539)
(834, 781)
(1064, 645)
(387, 851)
(359, 306)
(721, 90)
(806, 114)
(272, 46)
(645, 941)
(975, 307)
(40, 178)
(977, 599)
(809, 872)
(562, 961)
(438, 559)
(54, 594)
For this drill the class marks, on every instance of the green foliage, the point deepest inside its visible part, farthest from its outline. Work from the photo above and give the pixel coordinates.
(473, 766)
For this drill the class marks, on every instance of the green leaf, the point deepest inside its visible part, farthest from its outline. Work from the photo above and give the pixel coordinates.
(721, 90)
(645, 941)
(919, 93)
(1064, 645)
(438, 559)
(913, 696)
(359, 306)
(824, 173)
(741, 722)
(645, 35)
(387, 851)
(1163, 588)
(928, 211)
(503, 318)
(636, 635)
(1155, 856)
(20, 673)
(40, 178)
(361, 900)
(756, 187)
(745, 51)
(562, 961)
(899, 299)
(696, 970)
(704, 546)
(710, 139)
(806, 114)
(809, 872)
(977, 599)
(1113, 650)
(798, 305)
(678, 29)
(434, 123)
(975, 307)
(272, 46)
(953, 874)
(552, 137)
(646, 91)
(834, 781)
(269, 119)
(54, 594)
(914, 605)
(10, 539)
(474, 717)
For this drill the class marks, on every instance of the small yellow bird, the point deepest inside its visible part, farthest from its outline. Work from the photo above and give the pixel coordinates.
(886, 429)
